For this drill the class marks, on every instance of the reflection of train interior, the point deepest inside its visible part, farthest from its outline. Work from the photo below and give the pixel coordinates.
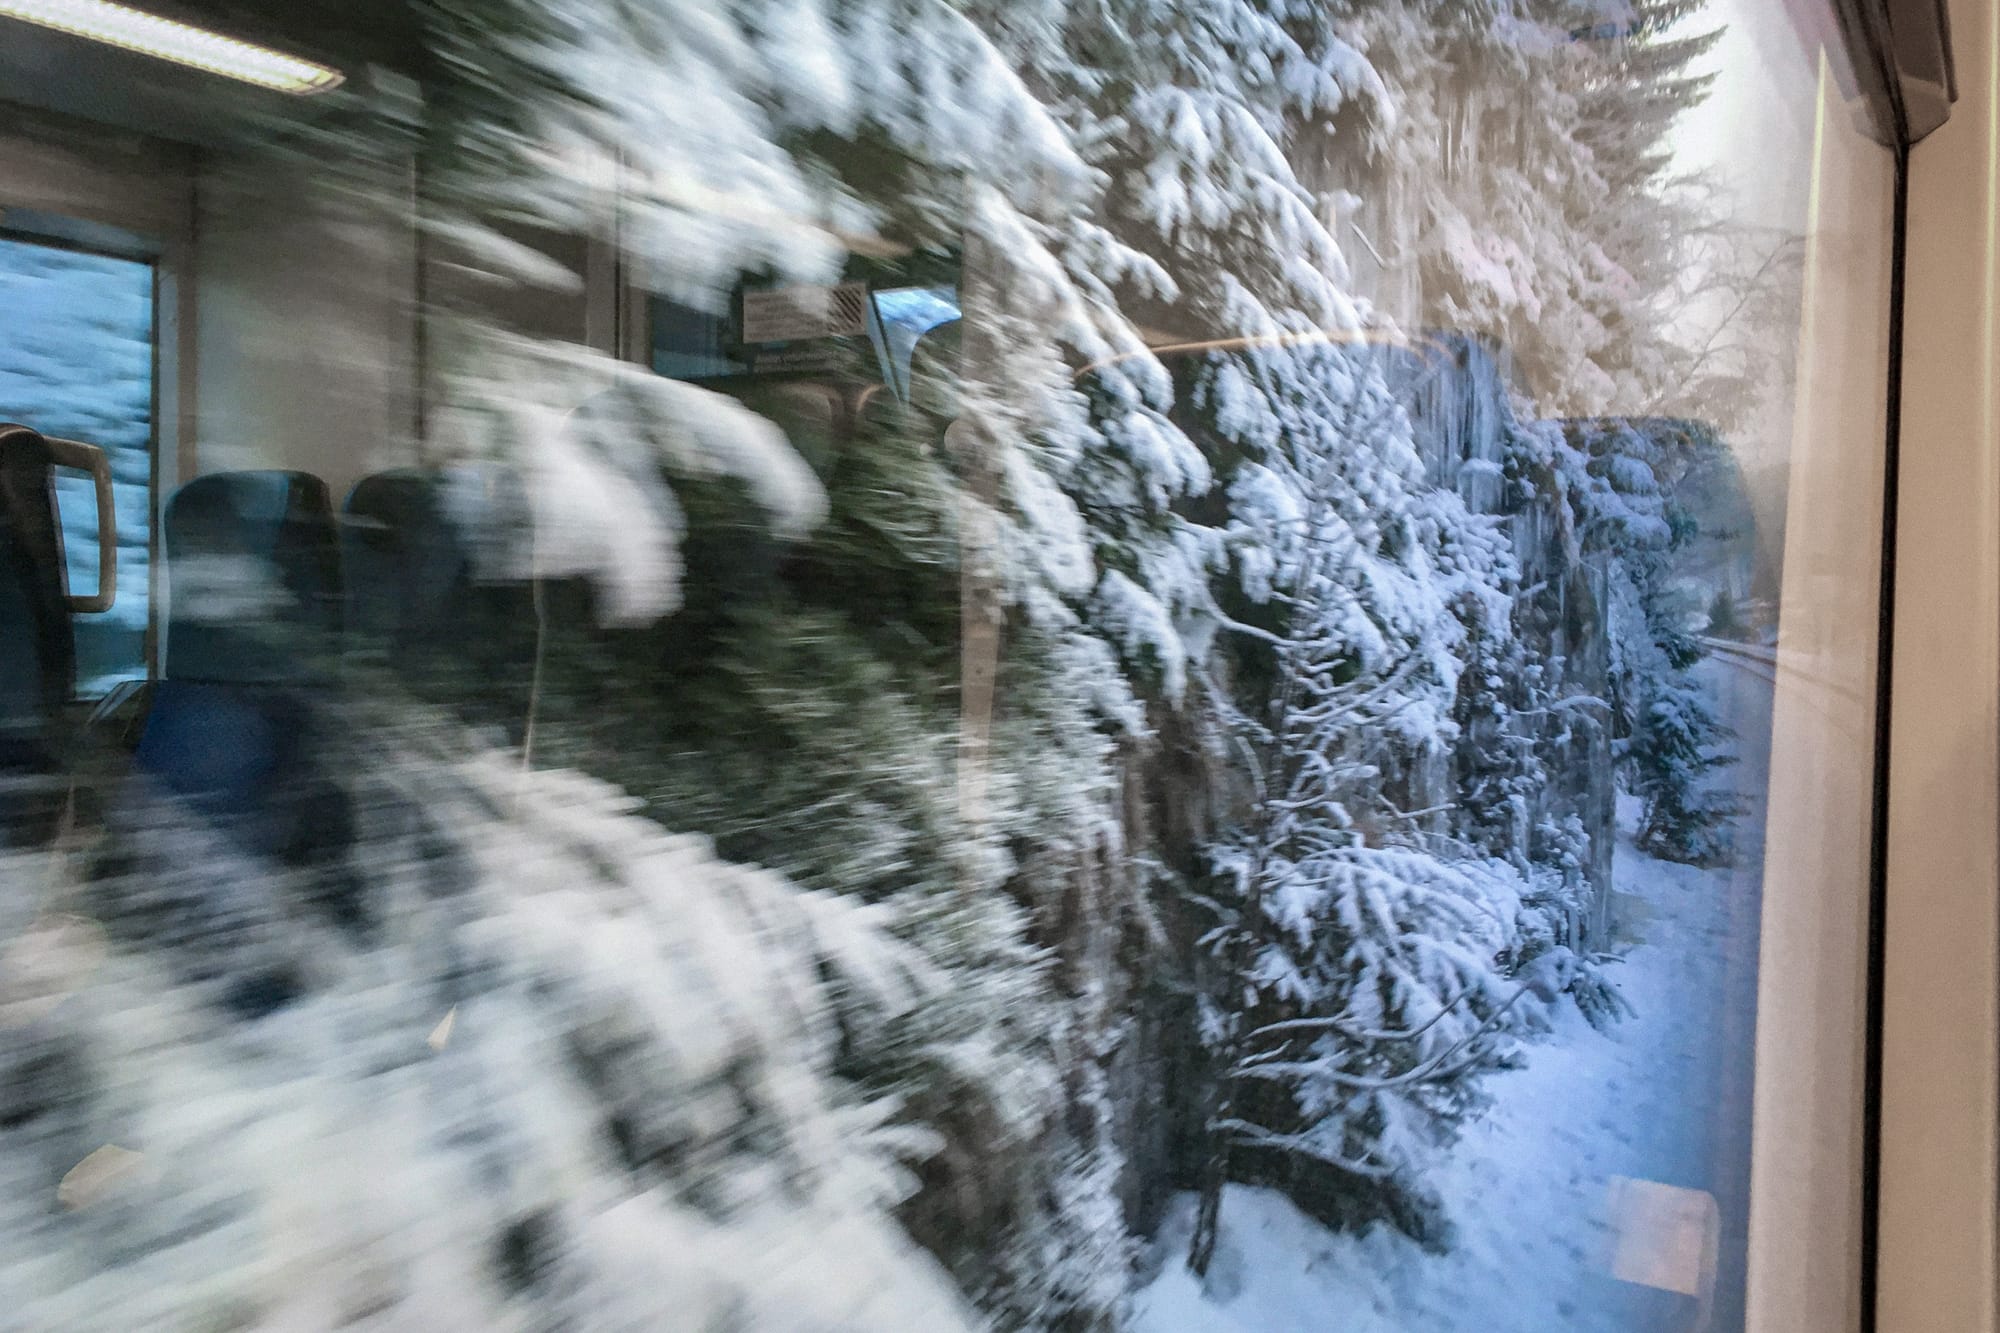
(249, 492)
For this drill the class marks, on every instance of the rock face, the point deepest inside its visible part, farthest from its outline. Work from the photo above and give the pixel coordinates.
(1459, 397)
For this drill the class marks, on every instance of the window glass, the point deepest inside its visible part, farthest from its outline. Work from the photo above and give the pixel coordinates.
(1059, 666)
(903, 315)
(76, 361)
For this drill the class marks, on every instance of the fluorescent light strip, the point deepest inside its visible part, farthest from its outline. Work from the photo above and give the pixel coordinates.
(181, 43)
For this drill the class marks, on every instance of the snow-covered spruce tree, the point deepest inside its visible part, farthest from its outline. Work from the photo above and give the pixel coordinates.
(904, 122)
(1359, 983)
(1185, 113)
(1182, 113)
(1093, 493)
(1674, 749)
(706, 141)
(594, 1071)
(1624, 472)
(814, 731)
(1524, 190)
(1195, 118)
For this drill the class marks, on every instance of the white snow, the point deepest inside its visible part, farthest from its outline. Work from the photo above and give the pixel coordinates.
(589, 435)
(1663, 1097)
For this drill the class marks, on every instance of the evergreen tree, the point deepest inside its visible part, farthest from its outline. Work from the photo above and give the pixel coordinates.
(1522, 187)
(1723, 621)
(1200, 135)
(1672, 742)
(1673, 752)
(818, 706)
(1357, 985)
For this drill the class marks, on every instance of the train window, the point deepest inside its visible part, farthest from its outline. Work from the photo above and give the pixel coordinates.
(1226, 678)
(903, 315)
(76, 361)
(691, 343)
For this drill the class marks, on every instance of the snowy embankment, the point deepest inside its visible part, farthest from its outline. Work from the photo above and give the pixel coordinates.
(1532, 1184)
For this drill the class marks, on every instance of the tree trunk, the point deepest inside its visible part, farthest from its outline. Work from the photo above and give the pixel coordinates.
(1214, 1175)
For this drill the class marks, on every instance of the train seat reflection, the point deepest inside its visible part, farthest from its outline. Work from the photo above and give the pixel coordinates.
(237, 729)
(254, 571)
(429, 590)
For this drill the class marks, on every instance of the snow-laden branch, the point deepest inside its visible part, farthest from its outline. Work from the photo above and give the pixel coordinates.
(1256, 1136)
(1432, 1070)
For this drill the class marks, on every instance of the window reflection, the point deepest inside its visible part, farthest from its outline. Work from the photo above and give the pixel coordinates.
(76, 359)
(911, 666)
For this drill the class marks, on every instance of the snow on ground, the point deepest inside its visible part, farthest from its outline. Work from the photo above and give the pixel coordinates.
(1663, 1097)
